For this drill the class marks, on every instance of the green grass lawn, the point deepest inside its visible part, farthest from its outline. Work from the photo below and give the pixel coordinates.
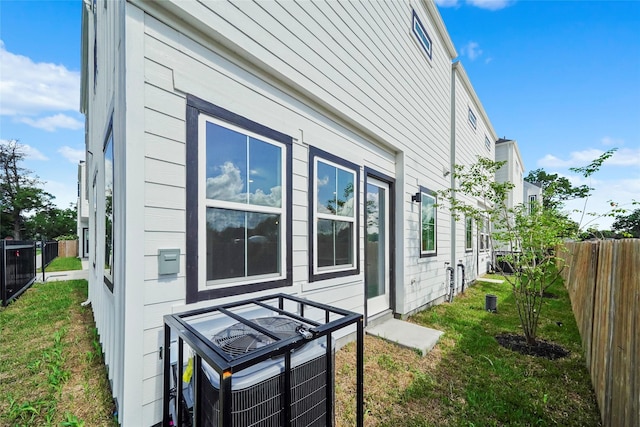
(64, 264)
(51, 367)
(52, 371)
(469, 379)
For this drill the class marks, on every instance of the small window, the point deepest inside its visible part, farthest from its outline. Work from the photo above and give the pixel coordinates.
(108, 211)
(533, 200)
(468, 245)
(472, 119)
(487, 143)
(421, 34)
(483, 235)
(428, 230)
(333, 223)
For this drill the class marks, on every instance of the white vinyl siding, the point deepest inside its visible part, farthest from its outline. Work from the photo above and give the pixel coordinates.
(346, 77)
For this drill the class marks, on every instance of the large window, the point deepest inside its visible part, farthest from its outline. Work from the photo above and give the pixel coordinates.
(428, 230)
(108, 211)
(334, 213)
(468, 243)
(243, 204)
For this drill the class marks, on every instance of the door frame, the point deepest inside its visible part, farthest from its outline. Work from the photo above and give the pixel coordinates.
(391, 182)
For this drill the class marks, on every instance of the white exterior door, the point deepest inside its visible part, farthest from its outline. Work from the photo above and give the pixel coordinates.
(377, 253)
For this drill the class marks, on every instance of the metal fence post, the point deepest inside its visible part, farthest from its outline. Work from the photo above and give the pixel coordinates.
(42, 265)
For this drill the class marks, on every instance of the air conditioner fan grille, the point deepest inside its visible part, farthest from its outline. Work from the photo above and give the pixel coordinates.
(239, 339)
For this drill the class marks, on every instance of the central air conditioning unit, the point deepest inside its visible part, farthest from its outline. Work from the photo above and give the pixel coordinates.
(259, 365)
(257, 392)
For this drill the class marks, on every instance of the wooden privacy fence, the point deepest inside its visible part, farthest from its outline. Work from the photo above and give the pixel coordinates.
(603, 280)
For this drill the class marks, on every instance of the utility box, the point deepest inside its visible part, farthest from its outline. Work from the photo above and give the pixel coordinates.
(261, 362)
(168, 261)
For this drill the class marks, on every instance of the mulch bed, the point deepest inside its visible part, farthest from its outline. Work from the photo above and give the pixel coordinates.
(542, 348)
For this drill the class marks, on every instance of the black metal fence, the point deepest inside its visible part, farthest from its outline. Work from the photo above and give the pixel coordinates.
(49, 252)
(17, 268)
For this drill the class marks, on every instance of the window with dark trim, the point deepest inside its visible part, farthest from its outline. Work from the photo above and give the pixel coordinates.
(468, 230)
(108, 210)
(238, 204)
(533, 203)
(421, 35)
(472, 119)
(483, 235)
(487, 143)
(428, 224)
(95, 218)
(333, 216)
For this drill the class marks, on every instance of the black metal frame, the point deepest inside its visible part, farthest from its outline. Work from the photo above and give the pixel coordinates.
(24, 272)
(226, 365)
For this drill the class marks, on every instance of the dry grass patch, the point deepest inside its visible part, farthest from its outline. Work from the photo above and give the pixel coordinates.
(391, 374)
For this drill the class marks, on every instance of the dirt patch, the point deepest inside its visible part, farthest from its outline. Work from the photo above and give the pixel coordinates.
(542, 348)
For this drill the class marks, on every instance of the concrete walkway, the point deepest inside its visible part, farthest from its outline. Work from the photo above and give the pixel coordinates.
(55, 276)
(487, 280)
(406, 334)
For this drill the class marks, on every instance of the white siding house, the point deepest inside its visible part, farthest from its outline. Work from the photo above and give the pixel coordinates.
(532, 194)
(82, 211)
(512, 171)
(473, 136)
(280, 147)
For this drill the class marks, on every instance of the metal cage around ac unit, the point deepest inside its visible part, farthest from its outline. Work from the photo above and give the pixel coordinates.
(261, 362)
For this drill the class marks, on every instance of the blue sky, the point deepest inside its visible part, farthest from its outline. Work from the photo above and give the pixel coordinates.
(560, 77)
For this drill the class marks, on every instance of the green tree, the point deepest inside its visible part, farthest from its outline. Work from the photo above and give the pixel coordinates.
(556, 189)
(20, 193)
(528, 233)
(628, 225)
(50, 223)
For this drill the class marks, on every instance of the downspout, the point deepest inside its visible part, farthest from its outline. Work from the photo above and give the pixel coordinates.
(461, 266)
(452, 282)
(452, 181)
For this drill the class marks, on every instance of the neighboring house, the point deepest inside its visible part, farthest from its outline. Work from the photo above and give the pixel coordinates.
(532, 194)
(473, 137)
(293, 148)
(512, 171)
(82, 207)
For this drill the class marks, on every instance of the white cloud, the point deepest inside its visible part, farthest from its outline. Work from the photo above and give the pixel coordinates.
(447, 3)
(71, 154)
(52, 123)
(490, 4)
(30, 88)
(29, 152)
(609, 141)
(471, 50)
(622, 157)
(598, 205)
(228, 185)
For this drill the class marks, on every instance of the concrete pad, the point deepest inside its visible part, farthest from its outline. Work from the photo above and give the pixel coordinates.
(406, 334)
(486, 280)
(55, 276)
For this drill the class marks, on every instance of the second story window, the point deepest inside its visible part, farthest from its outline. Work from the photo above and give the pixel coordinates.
(472, 119)
(422, 35)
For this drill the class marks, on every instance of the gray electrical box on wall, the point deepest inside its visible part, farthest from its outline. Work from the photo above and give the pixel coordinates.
(168, 261)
